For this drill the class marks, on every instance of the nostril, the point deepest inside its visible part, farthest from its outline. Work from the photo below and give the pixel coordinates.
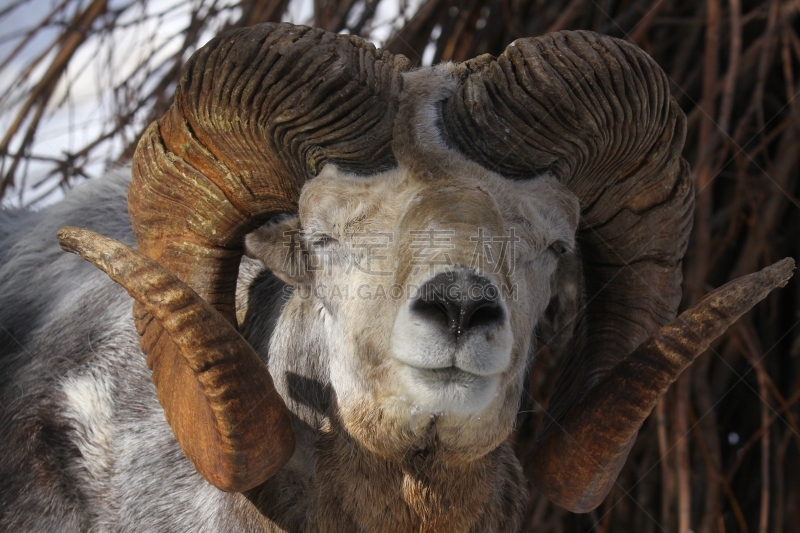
(483, 313)
(433, 310)
(459, 302)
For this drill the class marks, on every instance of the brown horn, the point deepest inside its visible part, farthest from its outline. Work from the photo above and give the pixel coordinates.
(596, 112)
(222, 363)
(258, 111)
(578, 462)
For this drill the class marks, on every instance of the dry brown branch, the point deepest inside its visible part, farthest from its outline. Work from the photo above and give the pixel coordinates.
(66, 46)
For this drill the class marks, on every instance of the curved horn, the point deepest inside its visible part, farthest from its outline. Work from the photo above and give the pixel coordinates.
(257, 112)
(580, 460)
(596, 112)
(221, 361)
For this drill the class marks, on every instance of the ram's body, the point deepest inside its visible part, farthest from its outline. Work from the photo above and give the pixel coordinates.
(85, 444)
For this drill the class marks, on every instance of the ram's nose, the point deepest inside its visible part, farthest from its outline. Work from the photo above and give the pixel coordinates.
(460, 301)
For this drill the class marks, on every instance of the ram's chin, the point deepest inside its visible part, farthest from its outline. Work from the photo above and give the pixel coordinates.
(448, 391)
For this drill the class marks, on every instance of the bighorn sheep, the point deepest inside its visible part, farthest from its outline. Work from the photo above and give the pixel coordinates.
(385, 410)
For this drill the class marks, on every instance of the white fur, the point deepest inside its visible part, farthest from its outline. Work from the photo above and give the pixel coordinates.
(483, 351)
(426, 112)
(480, 354)
(460, 394)
(90, 405)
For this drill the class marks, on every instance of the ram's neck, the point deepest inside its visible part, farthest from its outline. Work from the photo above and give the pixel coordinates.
(358, 491)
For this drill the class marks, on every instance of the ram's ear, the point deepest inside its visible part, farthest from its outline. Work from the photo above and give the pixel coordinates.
(279, 244)
(557, 324)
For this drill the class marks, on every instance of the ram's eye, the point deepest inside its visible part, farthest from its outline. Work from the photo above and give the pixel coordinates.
(322, 240)
(559, 248)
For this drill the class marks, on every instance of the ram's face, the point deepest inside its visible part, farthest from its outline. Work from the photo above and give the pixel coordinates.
(429, 290)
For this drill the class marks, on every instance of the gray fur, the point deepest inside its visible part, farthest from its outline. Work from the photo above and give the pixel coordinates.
(85, 446)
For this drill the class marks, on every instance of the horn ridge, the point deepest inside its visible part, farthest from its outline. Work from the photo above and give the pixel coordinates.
(257, 112)
(596, 112)
(235, 405)
(585, 453)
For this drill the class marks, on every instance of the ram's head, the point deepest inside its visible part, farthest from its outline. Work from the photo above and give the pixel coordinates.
(566, 143)
(427, 289)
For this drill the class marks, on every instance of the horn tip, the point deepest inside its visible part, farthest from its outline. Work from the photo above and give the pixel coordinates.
(781, 272)
(70, 238)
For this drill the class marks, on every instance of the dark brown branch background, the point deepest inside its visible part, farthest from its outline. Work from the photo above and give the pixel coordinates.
(721, 451)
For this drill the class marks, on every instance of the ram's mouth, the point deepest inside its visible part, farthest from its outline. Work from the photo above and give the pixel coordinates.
(450, 390)
(449, 375)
